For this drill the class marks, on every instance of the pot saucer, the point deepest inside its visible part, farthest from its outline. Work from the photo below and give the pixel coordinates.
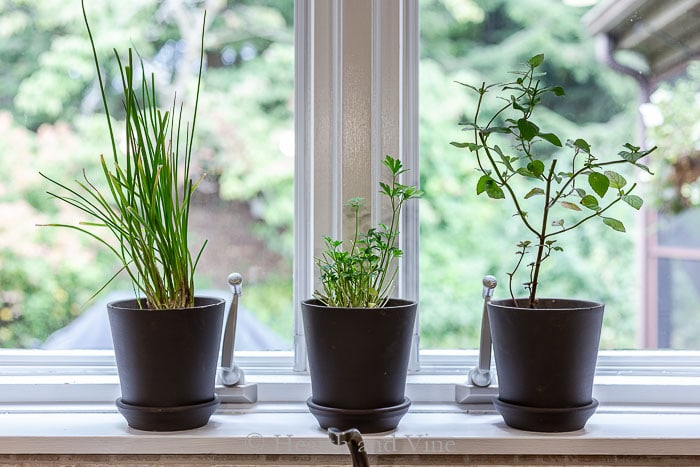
(541, 419)
(365, 420)
(182, 417)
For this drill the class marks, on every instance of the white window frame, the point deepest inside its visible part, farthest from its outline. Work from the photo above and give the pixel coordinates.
(335, 88)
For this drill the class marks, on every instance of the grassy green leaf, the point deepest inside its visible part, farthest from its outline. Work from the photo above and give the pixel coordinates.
(494, 191)
(356, 202)
(528, 130)
(469, 126)
(361, 275)
(483, 184)
(536, 61)
(497, 129)
(551, 138)
(614, 224)
(633, 200)
(473, 88)
(395, 166)
(616, 180)
(644, 168)
(385, 189)
(633, 154)
(536, 167)
(590, 202)
(471, 146)
(599, 183)
(571, 206)
(504, 159)
(583, 145)
(145, 205)
(534, 192)
(516, 105)
(558, 91)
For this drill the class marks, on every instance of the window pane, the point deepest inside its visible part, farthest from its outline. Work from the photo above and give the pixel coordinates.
(679, 299)
(51, 120)
(464, 237)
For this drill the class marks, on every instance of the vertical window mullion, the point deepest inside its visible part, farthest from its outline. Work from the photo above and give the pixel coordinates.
(303, 170)
(409, 149)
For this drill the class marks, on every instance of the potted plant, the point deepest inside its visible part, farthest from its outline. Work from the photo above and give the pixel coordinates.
(166, 342)
(358, 338)
(545, 348)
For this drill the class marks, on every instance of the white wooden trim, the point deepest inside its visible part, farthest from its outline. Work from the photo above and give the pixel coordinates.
(641, 378)
(284, 429)
(337, 111)
(303, 171)
(409, 149)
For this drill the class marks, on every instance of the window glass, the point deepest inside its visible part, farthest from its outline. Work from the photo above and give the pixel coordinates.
(673, 120)
(464, 237)
(51, 120)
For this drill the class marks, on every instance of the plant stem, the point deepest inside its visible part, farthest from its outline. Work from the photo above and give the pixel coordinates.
(541, 236)
(507, 186)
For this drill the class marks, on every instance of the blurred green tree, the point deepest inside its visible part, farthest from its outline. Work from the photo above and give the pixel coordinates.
(50, 111)
(52, 120)
(463, 239)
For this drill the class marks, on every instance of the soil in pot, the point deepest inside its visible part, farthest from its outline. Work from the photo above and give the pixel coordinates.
(358, 359)
(167, 361)
(545, 360)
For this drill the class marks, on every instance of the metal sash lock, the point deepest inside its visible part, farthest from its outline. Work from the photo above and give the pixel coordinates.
(481, 374)
(477, 390)
(230, 375)
(229, 372)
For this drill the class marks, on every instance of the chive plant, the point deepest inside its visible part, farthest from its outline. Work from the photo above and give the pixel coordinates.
(363, 275)
(146, 203)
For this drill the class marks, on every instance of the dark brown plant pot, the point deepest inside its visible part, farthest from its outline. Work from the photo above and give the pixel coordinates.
(167, 361)
(358, 359)
(545, 361)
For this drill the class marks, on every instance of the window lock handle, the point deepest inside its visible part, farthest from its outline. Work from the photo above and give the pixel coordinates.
(229, 372)
(481, 375)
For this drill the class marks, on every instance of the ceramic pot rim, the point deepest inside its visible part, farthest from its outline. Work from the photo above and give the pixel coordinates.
(130, 304)
(393, 303)
(559, 304)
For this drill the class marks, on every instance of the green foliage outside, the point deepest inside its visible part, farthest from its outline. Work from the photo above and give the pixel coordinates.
(51, 120)
(673, 123)
(677, 133)
(464, 238)
(50, 115)
(40, 290)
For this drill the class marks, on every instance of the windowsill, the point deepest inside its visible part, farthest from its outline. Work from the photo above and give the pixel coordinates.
(650, 406)
(289, 429)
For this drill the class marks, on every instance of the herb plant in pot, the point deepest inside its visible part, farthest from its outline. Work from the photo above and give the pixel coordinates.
(545, 348)
(358, 338)
(166, 342)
